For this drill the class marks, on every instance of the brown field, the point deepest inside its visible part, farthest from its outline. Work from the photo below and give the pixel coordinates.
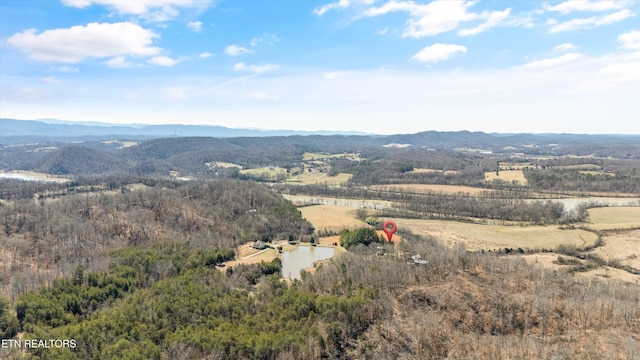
(621, 246)
(549, 261)
(476, 237)
(332, 217)
(429, 188)
(319, 178)
(506, 175)
(612, 218)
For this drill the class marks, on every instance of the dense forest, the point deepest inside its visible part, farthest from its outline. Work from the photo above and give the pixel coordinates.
(54, 235)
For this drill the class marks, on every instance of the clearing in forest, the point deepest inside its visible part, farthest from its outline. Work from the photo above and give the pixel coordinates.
(493, 237)
(319, 178)
(506, 175)
(332, 217)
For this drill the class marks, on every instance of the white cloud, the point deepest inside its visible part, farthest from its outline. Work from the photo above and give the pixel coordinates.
(261, 95)
(560, 60)
(50, 80)
(494, 18)
(591, 22)
(630, 40)
(162, 61)
(235, 50)
(268, 39)
(153, 10)
(565, 47)
(97, 40)
(206, 55)
(427, 19)
(438, 52)
(175, 93)
(573, 5)
(332, 75)
(195, 26)
(67, 69)
(341, 4)
(255, 68)
(119, 62)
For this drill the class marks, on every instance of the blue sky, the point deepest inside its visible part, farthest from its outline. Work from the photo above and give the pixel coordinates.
(368, 65)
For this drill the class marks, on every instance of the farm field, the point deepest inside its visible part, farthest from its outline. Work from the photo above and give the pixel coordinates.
(612, 218)
(506, 175)
(332, 217)
(477, 237)
(319, 178)
(430, 188)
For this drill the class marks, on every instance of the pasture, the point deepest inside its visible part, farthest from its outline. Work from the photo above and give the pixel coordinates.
(613, 218)
(332, 217)
(506, 175)
(493, 237)
(308, 178)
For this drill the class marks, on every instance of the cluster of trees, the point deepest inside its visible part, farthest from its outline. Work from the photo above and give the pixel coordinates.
(364, 236)
(563, 180)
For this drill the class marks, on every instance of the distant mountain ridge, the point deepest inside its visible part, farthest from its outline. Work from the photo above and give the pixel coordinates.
(48, 129)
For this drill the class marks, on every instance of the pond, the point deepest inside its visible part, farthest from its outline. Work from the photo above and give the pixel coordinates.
(303, 257)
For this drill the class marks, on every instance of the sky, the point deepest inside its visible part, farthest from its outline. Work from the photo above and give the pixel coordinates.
(378, 66)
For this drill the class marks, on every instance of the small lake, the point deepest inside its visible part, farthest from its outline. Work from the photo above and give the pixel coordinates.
(303, 257)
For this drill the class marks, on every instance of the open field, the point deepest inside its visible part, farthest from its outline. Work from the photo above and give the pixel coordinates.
(621, 246)
(430, 188)
(123, 144)
(477, 237)
(266, 172)
(308, 156)
(605, 218)
(319, 178)
(549, 261)
(332, 217)
(506, 175)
